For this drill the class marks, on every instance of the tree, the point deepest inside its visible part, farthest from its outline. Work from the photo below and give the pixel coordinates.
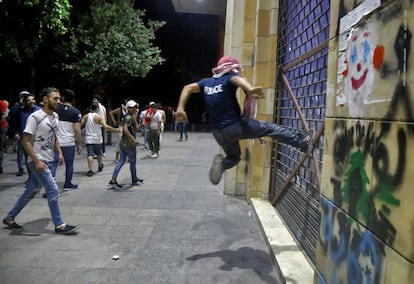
(112, 42)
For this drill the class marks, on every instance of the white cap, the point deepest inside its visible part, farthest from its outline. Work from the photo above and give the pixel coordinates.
(131, 103)
(152, 104)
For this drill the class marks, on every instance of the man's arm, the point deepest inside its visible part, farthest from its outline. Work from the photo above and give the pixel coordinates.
(59, 151)
(101, 120)
(186, 93)
(84, 120)
(254, 92)
(78, 136)
(113, 112)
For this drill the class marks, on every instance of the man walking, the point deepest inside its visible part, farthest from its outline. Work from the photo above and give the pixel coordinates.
(93, 123)
(40, 143)
(154, 117)
(69, 135)
(19, 117)
(228, 126)
(128, 146)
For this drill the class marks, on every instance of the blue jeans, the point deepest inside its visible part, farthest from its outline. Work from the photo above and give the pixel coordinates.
(246, 128)
(132, 156)
(182, 128)
(21, 156)
(69, 156)
(37, 179)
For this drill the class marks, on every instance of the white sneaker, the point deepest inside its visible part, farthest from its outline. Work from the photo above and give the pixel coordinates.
(154, 156)
(216, 170)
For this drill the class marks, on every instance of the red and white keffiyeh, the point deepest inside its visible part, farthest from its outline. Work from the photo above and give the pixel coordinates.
(225, 65)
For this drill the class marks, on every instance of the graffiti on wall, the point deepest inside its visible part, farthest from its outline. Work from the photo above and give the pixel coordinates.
(354, 240)
(370, 159)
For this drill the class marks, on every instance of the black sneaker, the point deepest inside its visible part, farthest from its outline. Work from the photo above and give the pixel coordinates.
(12, 225)
(307, 140)
(89, 173)
(70, 186)
(66, 229)
(20, 173)
(216, 170)
(114, 185)
(138, 182)
(100, 168)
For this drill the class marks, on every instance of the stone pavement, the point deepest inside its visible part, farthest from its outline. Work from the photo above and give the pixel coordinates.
(176, 228)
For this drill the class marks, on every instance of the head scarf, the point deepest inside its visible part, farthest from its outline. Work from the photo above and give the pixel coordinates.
(225, 65)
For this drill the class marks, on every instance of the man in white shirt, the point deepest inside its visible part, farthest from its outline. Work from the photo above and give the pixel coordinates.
(154, 117)
(102, 112)
(40, 143)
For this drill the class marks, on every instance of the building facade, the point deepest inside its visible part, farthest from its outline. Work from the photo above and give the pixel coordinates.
(343, 68)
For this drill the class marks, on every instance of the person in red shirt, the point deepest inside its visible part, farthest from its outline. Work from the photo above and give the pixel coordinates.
(3, 129)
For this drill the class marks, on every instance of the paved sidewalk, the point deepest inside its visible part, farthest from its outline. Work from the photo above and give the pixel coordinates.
(176, 228)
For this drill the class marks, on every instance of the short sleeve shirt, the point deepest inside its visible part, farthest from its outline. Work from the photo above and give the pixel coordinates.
(43, 128)
(221, 102)
(131, 123)
(68, 115)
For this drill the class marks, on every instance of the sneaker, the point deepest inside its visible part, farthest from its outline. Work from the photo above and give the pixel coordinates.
(116, 161)
(154, 156)
(44, 195)
(307, 140)
(138, 182)
(114, 185)
(20, 173)
(66, 229)
(89, 173)
(100, 168)
(70, 186)
(216, 170)
(12, 225)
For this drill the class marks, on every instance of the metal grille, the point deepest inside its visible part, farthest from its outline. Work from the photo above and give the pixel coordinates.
(300, 104)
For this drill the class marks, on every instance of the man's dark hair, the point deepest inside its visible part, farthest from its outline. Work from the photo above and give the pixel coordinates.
(46, 91)
(94, 106)
(98, 97)
(68, 95)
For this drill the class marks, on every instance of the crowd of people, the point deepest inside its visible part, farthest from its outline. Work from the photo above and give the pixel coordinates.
(51, 133)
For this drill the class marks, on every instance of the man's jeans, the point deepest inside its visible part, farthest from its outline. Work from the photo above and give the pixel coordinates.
(132, 156)
(21, 156)
(69, 156)
(37, 179)
(246, 128)
(153, 141)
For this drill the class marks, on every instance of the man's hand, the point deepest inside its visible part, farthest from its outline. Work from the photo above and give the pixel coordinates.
(256, 92)
(180, 114)
(61, 159)
(40, 166)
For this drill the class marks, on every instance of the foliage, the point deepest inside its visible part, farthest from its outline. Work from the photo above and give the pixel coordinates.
(25, 24)
(112, 41)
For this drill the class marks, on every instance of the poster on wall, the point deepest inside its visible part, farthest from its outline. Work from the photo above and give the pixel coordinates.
(355, 10)
(357, 46)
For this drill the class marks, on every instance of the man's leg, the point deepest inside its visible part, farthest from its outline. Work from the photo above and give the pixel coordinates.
(69, 156)
(20, 158)
(132, 155)
(31, 189)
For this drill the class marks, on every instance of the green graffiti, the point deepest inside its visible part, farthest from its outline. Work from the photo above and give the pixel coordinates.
(355, 190)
